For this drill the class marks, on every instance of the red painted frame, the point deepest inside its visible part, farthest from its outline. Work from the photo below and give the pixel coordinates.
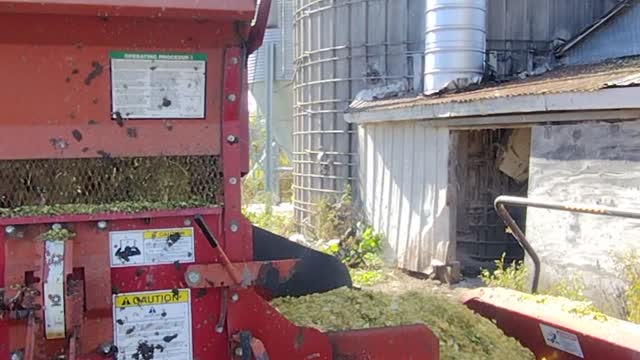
(611, 339)
(241, 10)
(69, 99)
(67, 54)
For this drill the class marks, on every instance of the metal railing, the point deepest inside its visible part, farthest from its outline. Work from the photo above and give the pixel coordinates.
(502, 201)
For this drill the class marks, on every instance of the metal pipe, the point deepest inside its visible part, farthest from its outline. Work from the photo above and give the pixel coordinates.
(317, 189)
(337, 163)
(522, 240)
(228, 265)
(315, 152)
(572, 207)
(500, 206)
(346, 3)
(323, 132)
(312, 53)
(325, 176)
(269, 175)
(455, 42)
(330, 81)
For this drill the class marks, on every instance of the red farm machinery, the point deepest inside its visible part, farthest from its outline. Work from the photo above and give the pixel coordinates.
(123, 140)
(108, 103)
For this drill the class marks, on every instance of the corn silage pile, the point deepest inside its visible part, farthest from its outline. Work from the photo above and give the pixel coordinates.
(462, 333)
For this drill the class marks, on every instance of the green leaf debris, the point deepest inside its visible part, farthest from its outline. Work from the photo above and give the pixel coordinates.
(463, 334)
(117, 207)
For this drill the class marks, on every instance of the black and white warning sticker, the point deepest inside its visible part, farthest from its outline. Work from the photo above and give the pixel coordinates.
(561, 340)
(151, 247)
(153, 325)
(158, 85)
(54, 316)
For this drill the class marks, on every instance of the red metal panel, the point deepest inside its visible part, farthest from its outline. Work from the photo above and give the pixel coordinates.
(256, 35)
(251, 273)
(283, 340)
(162, 277)
(219, 9)
(398, 343)
(62, 85)
(205, 305)
(610, 339)
(235, 143)
(91, 254)
(36, 329)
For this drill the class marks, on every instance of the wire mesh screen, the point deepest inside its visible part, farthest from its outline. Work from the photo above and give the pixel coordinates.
(187, 179)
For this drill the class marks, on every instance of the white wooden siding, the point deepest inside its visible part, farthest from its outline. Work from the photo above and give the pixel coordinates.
(403, 177)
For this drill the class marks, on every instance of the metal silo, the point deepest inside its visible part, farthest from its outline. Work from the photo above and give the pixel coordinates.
(455, 43)
(279, 35)
(342, 47)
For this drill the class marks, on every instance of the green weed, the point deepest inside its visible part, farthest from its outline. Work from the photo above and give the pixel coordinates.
(282, 225)
(362, 254)
(335, 216)
(510, 276)
(572, 289)
(630, 266)
(514, 276)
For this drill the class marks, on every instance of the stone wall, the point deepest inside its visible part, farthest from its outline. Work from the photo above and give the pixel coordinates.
(592, 163)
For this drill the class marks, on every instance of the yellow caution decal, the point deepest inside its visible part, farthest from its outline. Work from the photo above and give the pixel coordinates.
(154, 298)
(165, 233)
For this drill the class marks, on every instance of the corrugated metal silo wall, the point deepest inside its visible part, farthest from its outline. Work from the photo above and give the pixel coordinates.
(520, 31)
(620, 37)
(282, 36)
(341, 47)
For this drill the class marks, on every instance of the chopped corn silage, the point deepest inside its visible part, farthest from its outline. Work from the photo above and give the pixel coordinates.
(462, 333)
(116, 207)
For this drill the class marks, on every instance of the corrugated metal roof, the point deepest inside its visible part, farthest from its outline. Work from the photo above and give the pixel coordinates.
(580, 78)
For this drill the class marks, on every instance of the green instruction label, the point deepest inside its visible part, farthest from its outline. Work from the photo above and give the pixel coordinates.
(156, 56)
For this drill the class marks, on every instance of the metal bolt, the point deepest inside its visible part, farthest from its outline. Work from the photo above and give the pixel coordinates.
(104, 348)
(232, 139)
(234, 60)
(233, 180)
(193, 277)
(102, 225)
(231, 97)
(238, 351)
(107, 349)
(234, 227)
(10, 230)
(219, 329)
(56, 227)
(235, 297)
(187, 222)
